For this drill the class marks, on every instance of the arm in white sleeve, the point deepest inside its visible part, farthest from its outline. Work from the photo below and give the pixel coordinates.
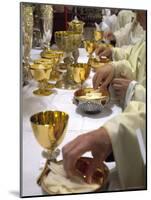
(122, 132)
(123, 35)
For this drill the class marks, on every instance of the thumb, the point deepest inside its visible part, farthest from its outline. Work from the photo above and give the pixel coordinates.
(91, 169)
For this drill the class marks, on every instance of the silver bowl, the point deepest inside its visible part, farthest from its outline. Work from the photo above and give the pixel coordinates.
(91, 106)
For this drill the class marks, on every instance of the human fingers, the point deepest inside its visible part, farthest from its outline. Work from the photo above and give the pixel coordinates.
(97, 80)
(117, 86)
(108, 35)
(107, 80)
(118, 94)
(72, 153)
(106, 52)
(91, 169)
(117, 80)
(99, 50)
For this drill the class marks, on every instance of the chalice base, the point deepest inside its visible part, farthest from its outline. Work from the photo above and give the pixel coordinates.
(63, 84)
(43, 92)
(50, 85)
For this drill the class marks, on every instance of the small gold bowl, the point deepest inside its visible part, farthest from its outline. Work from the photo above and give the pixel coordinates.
(91, 101)
(100, 175)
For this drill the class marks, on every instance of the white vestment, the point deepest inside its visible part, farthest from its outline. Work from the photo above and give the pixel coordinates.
(130, 34)
(126, 149)
(130, 62)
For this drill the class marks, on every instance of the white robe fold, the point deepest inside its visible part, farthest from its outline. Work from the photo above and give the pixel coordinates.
(126, 150)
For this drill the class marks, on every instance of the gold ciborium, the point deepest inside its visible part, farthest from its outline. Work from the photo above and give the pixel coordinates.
(49, 128)
(90, 46)
(41, 73)
(76, 75)
(68, 41)
(76, 25)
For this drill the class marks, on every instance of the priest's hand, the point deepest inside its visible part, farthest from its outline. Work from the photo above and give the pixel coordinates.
(103, 76)
(97, 141)
(120, 86)
(103, 50)
(109, 36)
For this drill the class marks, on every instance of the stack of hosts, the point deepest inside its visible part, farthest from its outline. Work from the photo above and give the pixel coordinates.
(127, 76)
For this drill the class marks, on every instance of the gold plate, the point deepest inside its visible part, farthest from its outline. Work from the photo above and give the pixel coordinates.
(100, 175)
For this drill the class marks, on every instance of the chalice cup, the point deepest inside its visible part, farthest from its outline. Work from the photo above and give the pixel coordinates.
(41, 73)
(77, 74)
(98, 35)
(49, 128)
(68, 41)
(90, 46)
(56, 56)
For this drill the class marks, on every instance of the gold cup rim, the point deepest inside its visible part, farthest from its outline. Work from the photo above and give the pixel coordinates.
(43, 61)
(40, 66)
(33, 118)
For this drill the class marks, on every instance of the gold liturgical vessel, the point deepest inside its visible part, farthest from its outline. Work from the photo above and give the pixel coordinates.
(68, 41)
(41, 72)
(49, 128)
(90, 46)
(98, 35)
(76, 25)
(56, 56)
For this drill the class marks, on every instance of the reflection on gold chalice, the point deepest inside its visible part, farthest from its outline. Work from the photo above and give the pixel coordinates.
(76, 25)
(41, 73)
(98, 35)
(90, 46)
(68, 41)
(49, 128)
(56, 56)
(75, 76)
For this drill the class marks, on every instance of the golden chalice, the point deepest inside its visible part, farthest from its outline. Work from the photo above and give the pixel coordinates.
(41, 73)
(98, 35)
(68, 41)
(76, 75)
(56, 56)
(49, 128)
(90, 46)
